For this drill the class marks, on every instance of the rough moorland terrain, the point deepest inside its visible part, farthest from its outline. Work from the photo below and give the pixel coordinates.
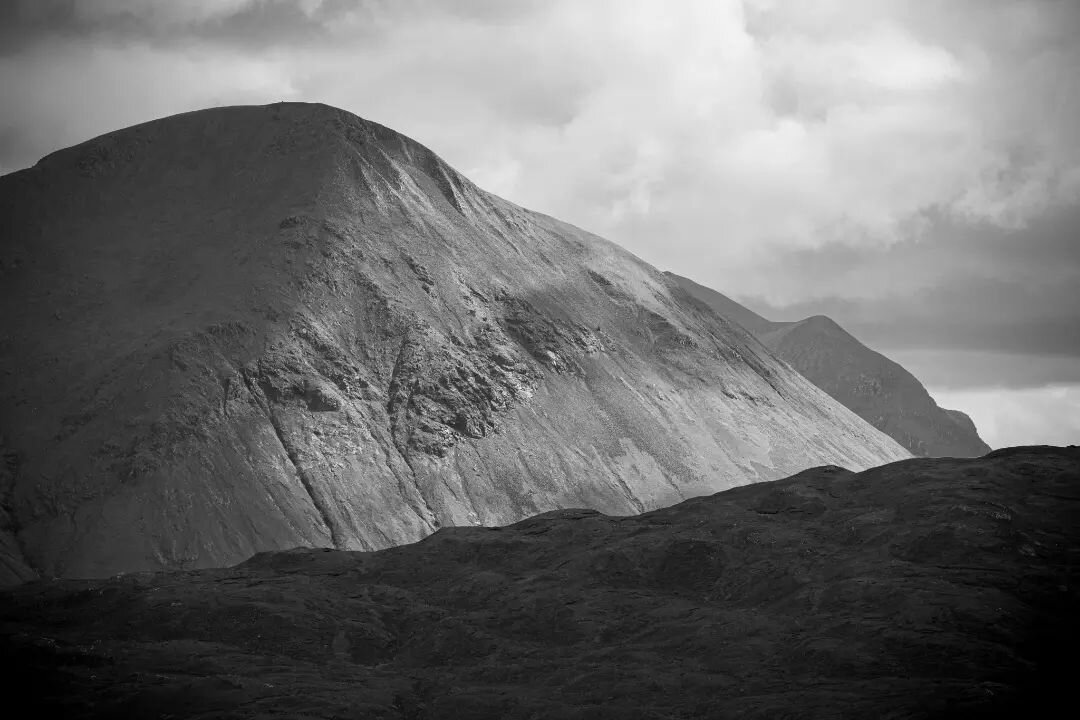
(864, 381)
(922, 589)
(253, 328)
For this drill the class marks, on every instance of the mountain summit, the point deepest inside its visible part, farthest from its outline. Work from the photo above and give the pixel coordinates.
(866, 382)
(252, 328)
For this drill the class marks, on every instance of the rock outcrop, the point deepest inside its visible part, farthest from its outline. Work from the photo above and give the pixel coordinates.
(253, 328)
(866, 382)
(13, 567)
(938, 588)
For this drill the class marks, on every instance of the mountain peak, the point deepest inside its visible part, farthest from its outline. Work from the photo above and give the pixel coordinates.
(306, 136)
(252, 328)
(821, 322)
(866, 382)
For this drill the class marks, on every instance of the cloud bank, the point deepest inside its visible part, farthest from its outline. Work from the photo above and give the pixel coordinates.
(729, 129)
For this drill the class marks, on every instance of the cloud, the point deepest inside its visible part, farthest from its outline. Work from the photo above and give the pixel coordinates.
(967, 370)
(721, 125)
(721, 135)
(952, 287)
(159, 12)
(1006, 418)
(966, 313)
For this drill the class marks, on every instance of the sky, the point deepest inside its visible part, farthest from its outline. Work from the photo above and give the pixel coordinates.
(910, 168)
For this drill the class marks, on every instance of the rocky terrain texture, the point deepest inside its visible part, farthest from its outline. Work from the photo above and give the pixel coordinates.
(866, 382)
(927, 588)
(255, 328)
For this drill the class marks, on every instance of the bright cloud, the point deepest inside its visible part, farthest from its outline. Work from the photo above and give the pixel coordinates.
(1034, 416)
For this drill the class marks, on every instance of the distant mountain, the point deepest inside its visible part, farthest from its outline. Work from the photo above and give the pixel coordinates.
(866, 382)
(941, 588)
(252, 328)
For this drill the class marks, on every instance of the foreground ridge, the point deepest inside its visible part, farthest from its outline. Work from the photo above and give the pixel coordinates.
(924, 588)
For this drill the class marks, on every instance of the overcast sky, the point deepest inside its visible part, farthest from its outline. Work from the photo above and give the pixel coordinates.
(911, 169)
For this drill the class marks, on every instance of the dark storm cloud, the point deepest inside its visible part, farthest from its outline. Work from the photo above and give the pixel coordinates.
(990, 316)
(255, 24)
(970, 314)
(978, 369)
(1013, 293)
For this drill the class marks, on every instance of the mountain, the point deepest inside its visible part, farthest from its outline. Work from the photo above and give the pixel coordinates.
(877, 389)
(866, 382)
(940, 588)
(253, 328)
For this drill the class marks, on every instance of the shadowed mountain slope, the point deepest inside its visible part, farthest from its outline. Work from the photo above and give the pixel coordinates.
(874, 387)
(253, 328)
(922, 589)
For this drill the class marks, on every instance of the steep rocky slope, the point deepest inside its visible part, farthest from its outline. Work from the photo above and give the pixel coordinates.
(253, 328)
(923, 589)
(874, 387)
(13, 567)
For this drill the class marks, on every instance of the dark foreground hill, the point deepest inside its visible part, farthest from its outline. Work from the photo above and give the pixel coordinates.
(925, 588)
(864, 381)
(253, 328)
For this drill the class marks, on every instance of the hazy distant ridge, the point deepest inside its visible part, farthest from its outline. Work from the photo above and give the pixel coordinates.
(874, 387)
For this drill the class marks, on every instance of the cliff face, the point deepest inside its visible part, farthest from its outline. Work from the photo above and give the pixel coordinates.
(252, 328)
(866, 382)
(939, 588)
